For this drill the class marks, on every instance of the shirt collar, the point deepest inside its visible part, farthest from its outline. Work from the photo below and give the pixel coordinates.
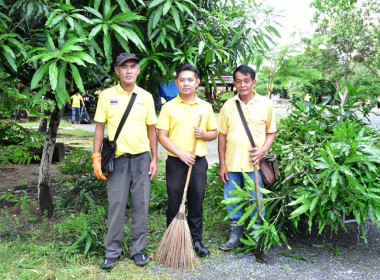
(196, 100)
(121, 90)
(252, 100)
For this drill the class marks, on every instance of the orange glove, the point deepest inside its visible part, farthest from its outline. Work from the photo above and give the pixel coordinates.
(97, 163)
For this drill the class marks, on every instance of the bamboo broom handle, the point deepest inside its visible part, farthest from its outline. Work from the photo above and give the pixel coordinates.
(182, 207)
(258, 194)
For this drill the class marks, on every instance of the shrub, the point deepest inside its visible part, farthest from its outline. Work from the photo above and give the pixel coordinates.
(91, 229)
(329, 161)
(78, 161)
(16, 143)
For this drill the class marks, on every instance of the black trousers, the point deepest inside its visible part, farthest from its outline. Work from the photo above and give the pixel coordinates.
(176, 173)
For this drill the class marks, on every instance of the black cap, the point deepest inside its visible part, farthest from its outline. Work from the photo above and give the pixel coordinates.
(123, 57)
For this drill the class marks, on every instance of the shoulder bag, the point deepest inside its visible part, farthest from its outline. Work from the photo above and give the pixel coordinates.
(269, 164)
(108, 146)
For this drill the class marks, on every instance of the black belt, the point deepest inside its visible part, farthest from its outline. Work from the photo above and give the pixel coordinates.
(178, 157)
(127, 155)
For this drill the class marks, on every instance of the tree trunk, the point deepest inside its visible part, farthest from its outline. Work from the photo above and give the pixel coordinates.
(43, 125)
(44, 196)
(343, 97)
(270, 89)
(17, 115)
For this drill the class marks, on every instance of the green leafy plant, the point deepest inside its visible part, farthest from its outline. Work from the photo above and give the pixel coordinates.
(78, 161)
(270, 227)
(85, 193)
(158, 194)
(329, 164)
(91, 229)
(347, 183)
(17, 143)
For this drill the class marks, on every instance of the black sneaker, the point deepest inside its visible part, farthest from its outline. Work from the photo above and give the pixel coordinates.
(141, 259)
(109, 263)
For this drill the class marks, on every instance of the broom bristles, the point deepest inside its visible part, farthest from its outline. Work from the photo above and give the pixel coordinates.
(176, 248)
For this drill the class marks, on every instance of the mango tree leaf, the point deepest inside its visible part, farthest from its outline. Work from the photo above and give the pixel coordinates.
(53, 75)
(57, 19)
(73, 59)
(106, 8)
(84, 56)
(107, 43)
(176, 17)
(274, 31)
(9, 56)
(94, 12)
(37, 98)
(129, 34)
(127, 17)
(39, 74)
(95, 31)
(124, 7)
(77, 77)
(247, 212)
(300, 210)
(234, 211)
(155, 3)
(61, 94)
(186, 8)
(122, 42)
(157, 17)
(201, 46)
(82, 17)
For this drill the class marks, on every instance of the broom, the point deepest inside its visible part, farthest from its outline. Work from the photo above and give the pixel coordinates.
(176, 248)
(259, 252)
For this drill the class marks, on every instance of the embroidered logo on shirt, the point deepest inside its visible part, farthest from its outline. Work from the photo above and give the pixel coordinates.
(113, 102)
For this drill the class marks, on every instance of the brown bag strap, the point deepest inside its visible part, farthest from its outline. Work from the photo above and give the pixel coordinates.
(245, 124)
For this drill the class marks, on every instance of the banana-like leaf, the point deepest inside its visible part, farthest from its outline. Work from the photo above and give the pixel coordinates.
(39, 74)
(77, 77)
(53, 75)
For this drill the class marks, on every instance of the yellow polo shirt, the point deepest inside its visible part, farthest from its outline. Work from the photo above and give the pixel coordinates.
(260, 116)
(179, 118)
(133, 138)
(76, 100)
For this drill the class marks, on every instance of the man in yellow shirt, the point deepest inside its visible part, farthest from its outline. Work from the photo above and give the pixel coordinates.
(177, 131)
(133, 167)
(368, 103)
(378, 102)
(235, 151)
(77, 99)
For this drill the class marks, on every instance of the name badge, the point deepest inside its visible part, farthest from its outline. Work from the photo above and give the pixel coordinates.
(113, 102)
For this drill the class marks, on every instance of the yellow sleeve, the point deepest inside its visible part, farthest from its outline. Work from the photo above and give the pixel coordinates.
(151, 118)
(222, 121)
(271, 122)
(164, 119)
(101, 109)
(211, 120)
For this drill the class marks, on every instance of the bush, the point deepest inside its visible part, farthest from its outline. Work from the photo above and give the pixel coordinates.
(16, 143)
(329, 163)
(91, 229)
(78, 161)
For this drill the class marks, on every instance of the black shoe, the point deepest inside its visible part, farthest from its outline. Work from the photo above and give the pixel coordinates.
(72, 122)
(141, 259)
(200, 249)
(109, 263)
